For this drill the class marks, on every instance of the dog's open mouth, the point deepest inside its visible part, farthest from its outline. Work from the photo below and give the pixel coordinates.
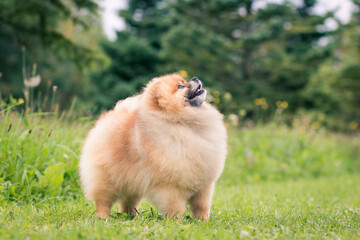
(197, 92)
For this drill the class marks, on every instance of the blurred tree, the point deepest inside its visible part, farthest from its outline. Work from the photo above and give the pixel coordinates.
(175, 41)
(279, 52)
(335, 87)
(348, 53)
(134, 56)
(35, 29)
(148, 20)
(133, 63)
(200, 42)
(268, 52)
(202, 53)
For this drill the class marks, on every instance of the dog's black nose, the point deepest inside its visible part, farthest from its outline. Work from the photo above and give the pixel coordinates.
(195, 79)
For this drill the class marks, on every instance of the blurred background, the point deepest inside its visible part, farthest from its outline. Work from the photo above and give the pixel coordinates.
(262, 60)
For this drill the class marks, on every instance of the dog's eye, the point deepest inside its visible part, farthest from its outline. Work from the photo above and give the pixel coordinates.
(180, 86)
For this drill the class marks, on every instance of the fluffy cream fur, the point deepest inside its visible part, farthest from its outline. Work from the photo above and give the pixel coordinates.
(155, 145)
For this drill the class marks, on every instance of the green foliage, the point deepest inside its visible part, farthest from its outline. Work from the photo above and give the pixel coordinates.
(39, 155)
(199, 52)
(135, 62)
(276, 52)
(52, 178)
(272, 52)
(135, 57)
(334, 88)
(278, 153)
(40, 32)
(280, 52)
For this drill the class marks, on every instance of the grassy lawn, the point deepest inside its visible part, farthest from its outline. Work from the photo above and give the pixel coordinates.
(326, 208)
(278, 182)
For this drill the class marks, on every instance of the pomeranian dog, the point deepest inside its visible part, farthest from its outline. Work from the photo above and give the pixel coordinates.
(166, 144)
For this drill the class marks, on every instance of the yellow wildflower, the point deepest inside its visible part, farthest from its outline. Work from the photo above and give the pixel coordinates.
(264, 106)
(216, 93)
(227, 96)
(183, 73)
(20, 100)
(216, 100)
(284, 105)
(302, 129)
(260, 101)
(353, 125)
(315, 125)
(242, 112)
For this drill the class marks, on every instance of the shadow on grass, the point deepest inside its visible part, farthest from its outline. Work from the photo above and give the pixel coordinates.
(151, 214)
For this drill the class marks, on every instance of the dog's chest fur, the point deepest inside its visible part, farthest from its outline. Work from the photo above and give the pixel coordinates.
(183, 156)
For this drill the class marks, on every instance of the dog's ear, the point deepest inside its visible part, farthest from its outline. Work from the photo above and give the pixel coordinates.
(155, 97)
(161, 98)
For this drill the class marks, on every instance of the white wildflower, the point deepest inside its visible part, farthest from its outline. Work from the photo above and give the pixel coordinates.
(234, 120)
(33, 81)
(244, 233)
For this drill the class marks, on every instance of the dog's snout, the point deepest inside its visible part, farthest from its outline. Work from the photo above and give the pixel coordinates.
(195, 79)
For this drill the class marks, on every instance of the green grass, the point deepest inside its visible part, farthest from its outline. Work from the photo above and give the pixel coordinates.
(327, 208)
(278, 182)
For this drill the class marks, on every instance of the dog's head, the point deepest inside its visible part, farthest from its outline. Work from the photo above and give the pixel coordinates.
(172, 94)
